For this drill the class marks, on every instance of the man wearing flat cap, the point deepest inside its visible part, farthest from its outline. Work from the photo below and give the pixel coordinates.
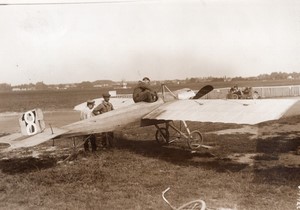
(105, 106)
(143, 92)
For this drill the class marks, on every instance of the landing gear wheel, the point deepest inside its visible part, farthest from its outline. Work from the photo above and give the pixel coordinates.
(235, 96)
(196, 140)
(162, 136)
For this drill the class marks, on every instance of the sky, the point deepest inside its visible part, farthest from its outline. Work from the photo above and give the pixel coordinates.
(127, 40)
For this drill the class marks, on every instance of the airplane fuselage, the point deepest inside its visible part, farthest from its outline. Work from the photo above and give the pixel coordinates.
(113, 120)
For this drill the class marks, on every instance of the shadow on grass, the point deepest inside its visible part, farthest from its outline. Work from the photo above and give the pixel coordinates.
(278, 144)
(278, 175)
(179, 156)
(272, 174)
(25, 165)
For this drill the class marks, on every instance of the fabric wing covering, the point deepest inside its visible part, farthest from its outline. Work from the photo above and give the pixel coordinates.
(224, 111)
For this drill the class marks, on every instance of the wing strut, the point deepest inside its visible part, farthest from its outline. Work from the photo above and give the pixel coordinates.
(163, 87)
(75, 151)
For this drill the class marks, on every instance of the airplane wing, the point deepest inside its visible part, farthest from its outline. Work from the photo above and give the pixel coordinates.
(224, 111)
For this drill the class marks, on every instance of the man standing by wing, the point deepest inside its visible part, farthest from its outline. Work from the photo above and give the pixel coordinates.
(86, 113)
(105, 106)
(143, 92)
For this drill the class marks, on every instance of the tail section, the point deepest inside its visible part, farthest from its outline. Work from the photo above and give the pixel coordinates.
(32, 122)
(33, 131)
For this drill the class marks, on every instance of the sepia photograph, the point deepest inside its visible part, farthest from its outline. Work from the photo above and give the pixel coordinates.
(150, 104)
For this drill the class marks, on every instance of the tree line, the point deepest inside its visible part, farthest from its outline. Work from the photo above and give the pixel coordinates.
(4, 87)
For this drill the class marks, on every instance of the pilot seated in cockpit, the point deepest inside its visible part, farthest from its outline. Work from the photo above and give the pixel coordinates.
(143, 92)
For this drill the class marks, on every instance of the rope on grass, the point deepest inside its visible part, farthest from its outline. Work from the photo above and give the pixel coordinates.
(195, 204)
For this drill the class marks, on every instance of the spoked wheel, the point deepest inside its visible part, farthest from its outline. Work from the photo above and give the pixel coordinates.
(196, 140)
(235, 96)
(162, 136)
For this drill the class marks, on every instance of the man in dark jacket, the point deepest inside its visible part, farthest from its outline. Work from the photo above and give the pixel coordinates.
(143, 92)
(105, 106)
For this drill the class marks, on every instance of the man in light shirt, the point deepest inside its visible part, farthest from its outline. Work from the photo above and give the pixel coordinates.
(86, 113)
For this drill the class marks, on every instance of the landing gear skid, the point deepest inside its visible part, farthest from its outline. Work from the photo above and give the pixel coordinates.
(194, 139)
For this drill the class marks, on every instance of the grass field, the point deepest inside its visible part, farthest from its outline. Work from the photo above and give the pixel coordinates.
(133, 174)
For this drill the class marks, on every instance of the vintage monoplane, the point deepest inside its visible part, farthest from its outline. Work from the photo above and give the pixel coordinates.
(182, 105)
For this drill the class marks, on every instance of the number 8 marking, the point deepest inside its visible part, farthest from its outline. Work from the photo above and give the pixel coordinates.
(31, 127)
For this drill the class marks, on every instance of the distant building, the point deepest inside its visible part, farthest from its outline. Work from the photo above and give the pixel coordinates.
(71, 86)
(124, 85)
(19, 89)
(100, 85)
